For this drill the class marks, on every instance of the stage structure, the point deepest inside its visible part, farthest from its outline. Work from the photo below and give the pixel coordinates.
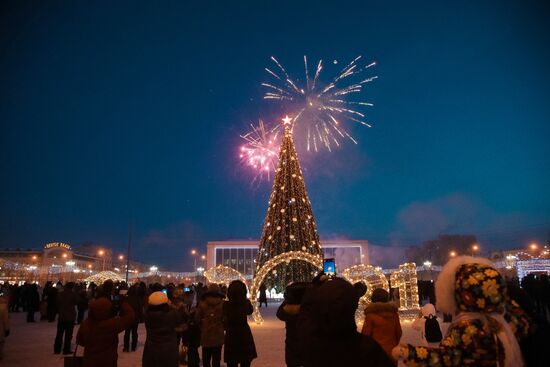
(289, 226)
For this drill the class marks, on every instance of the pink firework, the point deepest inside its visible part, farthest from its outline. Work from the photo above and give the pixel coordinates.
(261, 150)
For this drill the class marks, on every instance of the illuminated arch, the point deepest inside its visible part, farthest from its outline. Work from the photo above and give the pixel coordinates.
(222, 274)
(372, 277)
(315, 260)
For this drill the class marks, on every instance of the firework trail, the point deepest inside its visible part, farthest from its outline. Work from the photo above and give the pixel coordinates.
(321, 108)
(261, 150)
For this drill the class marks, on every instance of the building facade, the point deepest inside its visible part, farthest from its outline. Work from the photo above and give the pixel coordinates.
(58, 261)
(241, 255)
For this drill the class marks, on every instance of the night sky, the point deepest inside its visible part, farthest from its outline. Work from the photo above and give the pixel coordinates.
(114, 112)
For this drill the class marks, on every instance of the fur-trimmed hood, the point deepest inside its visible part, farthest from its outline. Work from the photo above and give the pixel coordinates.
(445, 286)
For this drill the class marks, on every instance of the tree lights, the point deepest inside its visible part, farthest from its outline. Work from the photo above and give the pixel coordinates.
(289, 225)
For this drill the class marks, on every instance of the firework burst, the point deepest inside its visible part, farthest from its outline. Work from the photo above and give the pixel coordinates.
(260, 150)
(321, 108)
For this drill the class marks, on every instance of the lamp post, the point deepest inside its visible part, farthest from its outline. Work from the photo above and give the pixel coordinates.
(102, 254)
(475, 249)
(452, 253)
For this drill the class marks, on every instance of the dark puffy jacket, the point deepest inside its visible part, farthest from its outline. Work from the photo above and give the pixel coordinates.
(66, 303)
(210, 317)
(328, 333)
(99, 333)
(161, 345)
(293, 351)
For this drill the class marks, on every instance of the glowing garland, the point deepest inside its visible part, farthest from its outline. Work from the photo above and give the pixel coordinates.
(526, 267)
(222, 274)
(102, 276)
(315, 260)
(372, 277)
(406, 280)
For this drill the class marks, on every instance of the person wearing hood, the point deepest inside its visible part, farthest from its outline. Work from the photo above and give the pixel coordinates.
(332, 334)
(98, 334)
(426, 312)
(288, 312)
(483, 333)
(240, 349)
(161, 343)
(382, 321)
(209, 315)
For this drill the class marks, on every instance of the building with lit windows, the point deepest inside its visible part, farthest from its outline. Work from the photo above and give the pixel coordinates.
(241, 255)
(60, 261)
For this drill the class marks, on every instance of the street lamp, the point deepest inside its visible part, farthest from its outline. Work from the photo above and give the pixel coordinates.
(452, 254)
(475, 249)
(194, 254)
(121, 257)
(533, 246)
(153, 269)
(102, 253)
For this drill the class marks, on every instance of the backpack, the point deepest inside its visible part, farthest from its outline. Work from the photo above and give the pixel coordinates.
(432, 331)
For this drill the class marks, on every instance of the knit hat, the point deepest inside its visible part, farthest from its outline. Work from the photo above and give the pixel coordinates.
(158, 298)
(470, 284)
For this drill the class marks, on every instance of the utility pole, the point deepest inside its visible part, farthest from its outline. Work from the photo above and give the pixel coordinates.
(128, 252)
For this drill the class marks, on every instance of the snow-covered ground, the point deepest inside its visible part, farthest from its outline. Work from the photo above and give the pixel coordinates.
(32, 344)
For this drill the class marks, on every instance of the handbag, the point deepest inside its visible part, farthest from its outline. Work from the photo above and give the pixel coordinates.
(74, 360)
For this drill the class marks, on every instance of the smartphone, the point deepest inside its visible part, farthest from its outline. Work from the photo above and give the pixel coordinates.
(165, 291)
(329, 267)
(186, 289)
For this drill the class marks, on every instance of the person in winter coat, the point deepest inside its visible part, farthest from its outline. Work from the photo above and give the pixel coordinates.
(288, 312)
(98, 334)
(483, 333)
(382, 321)
(66, 303)
(4, 323)
(33, 302)
(263, 295)
(161, 344)
(134, 300)
(52, 302)
(240, 349)
(427, 311)
(81, 302)
(331, 332)
(209, 315)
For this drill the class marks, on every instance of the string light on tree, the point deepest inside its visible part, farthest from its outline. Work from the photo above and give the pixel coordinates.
(289, 224)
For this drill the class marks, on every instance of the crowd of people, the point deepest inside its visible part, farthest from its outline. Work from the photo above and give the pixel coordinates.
(494, 322)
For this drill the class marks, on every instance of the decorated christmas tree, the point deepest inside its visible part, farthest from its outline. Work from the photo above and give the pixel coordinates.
(289, 223)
